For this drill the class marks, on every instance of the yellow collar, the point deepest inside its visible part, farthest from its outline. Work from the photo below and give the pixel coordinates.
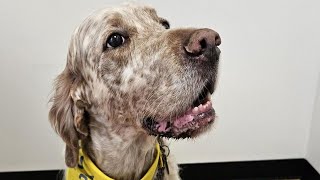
(87, 170)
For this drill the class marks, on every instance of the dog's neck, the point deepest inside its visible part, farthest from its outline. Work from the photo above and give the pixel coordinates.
(121, 152)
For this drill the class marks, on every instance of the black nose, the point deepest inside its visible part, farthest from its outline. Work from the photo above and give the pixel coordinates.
(201, 41)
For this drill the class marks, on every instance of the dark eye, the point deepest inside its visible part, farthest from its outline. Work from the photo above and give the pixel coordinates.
(115, 40)
(165, 24)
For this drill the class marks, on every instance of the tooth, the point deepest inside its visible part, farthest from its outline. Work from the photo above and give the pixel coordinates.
(209, 103)
(205, 107)
(195, 110)
(200, 107)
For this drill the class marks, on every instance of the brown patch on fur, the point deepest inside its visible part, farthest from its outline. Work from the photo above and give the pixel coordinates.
(61, 116)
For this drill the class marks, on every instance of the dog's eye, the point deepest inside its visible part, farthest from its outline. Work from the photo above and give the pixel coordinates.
(115, 40)
(165, 24)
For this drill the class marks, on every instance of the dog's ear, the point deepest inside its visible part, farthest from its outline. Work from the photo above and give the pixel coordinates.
(67, 115)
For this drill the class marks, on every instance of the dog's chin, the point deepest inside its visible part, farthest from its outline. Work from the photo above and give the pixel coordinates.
(195, 120)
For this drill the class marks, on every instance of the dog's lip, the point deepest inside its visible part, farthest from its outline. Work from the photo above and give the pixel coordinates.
(186, 125)
(190, 118)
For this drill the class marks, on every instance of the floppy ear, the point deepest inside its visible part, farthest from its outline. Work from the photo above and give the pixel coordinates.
(67, 115)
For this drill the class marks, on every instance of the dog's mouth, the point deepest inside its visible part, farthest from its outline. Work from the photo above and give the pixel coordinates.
(196, 119)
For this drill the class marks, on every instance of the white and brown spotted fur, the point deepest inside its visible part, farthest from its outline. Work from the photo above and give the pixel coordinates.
(103, 94)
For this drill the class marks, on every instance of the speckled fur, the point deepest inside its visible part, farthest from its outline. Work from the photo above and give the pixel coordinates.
(102, 95)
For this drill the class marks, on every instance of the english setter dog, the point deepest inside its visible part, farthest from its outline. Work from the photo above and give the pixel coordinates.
(130, 82)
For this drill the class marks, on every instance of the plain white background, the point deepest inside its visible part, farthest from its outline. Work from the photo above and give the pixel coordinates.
(266, 96)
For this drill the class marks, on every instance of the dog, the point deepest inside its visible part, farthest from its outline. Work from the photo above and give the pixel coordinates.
(129, 83)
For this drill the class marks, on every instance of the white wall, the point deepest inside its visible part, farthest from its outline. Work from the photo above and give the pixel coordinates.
(313, 153)
(264, 99)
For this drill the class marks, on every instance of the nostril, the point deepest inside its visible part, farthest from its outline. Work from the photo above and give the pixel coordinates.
(203, 44)
(217, 40)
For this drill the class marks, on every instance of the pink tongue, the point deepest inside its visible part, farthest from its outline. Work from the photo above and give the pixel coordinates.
(186, 118)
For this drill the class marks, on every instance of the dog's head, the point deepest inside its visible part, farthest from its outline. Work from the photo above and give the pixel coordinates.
(126, 69)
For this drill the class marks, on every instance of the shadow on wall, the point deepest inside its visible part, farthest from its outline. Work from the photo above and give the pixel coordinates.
(313, 153)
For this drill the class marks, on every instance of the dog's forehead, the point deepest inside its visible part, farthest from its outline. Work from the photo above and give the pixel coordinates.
(137, 12)
(128, 15)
